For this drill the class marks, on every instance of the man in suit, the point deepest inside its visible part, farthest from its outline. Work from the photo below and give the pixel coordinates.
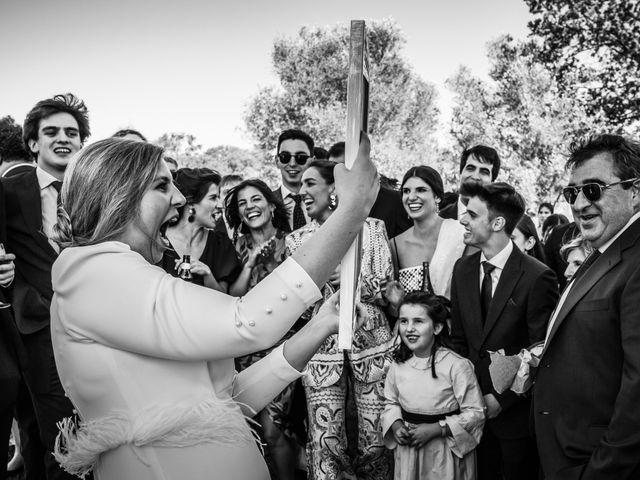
(388, 206)
(501, 300)
(54, 130)
(479, 164)
(295, 151)
(587, 388)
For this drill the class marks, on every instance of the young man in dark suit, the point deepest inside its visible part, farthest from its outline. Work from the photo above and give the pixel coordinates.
(501, 300)
(479, 164)
(295, 151)
(54, 130)
(587, 388)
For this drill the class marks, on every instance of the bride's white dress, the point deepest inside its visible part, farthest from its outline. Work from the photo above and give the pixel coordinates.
(147, 360)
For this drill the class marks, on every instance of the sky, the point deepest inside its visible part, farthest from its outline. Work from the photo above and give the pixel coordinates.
(192, 66)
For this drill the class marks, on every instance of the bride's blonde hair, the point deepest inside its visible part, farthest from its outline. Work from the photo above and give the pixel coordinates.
(102, 190)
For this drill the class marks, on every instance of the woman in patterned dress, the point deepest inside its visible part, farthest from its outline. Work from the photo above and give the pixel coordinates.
(258, 220)
(333, 374)
(433, 244)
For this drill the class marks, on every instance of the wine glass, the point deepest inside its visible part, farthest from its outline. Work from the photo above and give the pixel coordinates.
(3, 252)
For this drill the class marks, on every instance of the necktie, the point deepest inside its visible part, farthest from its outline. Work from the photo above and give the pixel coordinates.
(587, 263)
(298, 215)
(57, 184)
(485, 290)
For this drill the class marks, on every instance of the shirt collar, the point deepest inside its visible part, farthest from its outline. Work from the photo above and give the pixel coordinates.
(620, 232)
(500, 259)
(44, 178)
(285, 192)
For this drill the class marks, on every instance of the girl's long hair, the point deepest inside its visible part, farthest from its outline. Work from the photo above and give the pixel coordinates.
(439, 311)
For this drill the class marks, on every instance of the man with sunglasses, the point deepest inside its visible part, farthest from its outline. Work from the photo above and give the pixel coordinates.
(295, 149)
(588, 382)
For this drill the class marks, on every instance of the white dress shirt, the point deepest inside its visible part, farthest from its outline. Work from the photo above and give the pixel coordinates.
(499, 260)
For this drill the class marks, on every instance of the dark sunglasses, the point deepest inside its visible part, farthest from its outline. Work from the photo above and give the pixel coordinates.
(591, 191)
(300, 158)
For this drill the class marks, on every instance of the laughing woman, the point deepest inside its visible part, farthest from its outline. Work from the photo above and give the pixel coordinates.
(426, 252)
(146, 358)
(253, 211)
(214, 263)
(333, 374)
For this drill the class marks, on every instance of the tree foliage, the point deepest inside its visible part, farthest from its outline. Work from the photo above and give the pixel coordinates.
(312, 69)
(593, 47)
(523, 114)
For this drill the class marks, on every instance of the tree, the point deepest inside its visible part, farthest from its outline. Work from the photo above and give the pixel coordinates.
(523, 114)
(181, 146)
(312, 69)
(593, 48)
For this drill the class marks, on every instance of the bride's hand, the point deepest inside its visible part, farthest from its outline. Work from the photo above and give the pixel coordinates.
(329, 312)
(358, 188)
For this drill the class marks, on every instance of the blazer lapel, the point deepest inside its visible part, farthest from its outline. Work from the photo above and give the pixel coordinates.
(508, 281)
(31, 205)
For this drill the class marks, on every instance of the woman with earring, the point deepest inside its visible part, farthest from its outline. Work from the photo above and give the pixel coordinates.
(258, 220)
(424, 255)
(213, 260)
(332, 374)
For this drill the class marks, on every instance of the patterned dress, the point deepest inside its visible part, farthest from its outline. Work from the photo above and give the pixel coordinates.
(454, 395)
(332, 372)
(279, 410)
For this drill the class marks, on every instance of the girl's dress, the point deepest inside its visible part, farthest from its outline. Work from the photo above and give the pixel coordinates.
(449, 248)
(455, 396)
(332, 373)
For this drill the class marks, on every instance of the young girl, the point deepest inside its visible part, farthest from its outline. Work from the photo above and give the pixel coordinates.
(434, 411)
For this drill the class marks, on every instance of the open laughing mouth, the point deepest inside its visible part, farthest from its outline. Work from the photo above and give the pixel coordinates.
(414, 207)
(163, 230)
(62, 151)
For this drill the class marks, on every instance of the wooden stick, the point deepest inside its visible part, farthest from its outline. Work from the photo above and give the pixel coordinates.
(357, 120)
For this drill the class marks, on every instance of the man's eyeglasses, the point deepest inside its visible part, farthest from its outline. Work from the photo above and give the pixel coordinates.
(300, 158)
(591, 191)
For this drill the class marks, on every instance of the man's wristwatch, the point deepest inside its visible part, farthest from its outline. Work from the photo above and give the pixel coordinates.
(443, 427)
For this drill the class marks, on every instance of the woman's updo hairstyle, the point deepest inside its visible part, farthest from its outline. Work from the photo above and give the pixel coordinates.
(194, 184)
(325, 169)
(102, 190)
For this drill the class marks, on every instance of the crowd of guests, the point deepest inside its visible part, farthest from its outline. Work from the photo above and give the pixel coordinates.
(447, 279)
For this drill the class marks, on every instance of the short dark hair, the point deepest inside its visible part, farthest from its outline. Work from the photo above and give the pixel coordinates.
(502, 201)
(547, 205)
(484, 154)
(194, 183)
(11, 144)
(320, 153)
(439, 311)
(624, 152)
(129, 131)
(66, 103)
(552, 221)
(295, 134)
(337, 150)
(325, 168)
(232, 212)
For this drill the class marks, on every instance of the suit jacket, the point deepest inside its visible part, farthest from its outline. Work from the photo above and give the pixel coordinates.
(10, 346)
(588, 383)
(522, 302)
(32, 290)
(450, 211)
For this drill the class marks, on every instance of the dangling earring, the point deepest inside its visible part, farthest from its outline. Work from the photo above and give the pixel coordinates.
(333, 201)
(438, 205)
(192, 215)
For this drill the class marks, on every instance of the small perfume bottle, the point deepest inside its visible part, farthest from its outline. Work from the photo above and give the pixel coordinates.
(184, 270)
(426, 278)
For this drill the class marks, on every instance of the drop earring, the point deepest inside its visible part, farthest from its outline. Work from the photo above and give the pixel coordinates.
(333, 201)
(192, 215)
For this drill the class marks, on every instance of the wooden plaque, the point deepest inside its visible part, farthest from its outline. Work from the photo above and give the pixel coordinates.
(357, 115)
